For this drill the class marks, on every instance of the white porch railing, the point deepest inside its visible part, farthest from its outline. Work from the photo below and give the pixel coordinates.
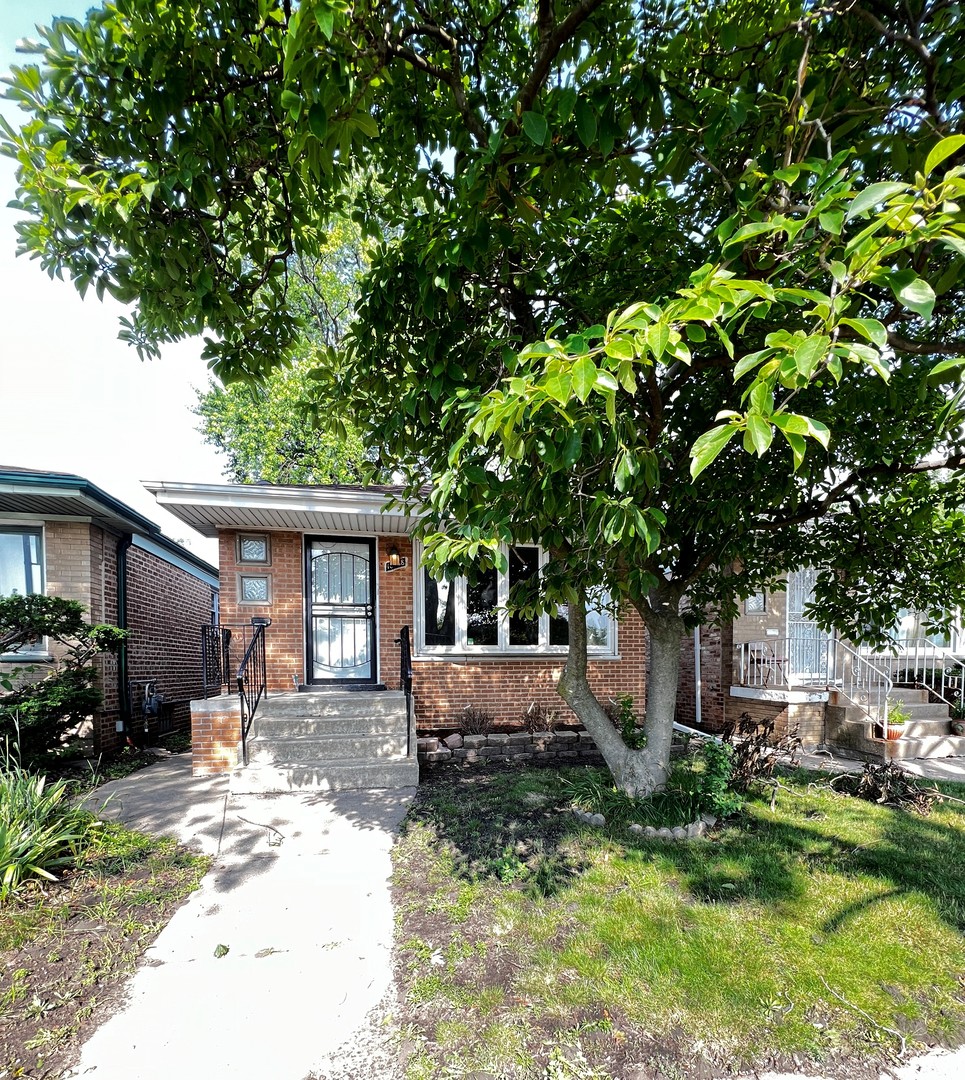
(785, 663)
(920, 662)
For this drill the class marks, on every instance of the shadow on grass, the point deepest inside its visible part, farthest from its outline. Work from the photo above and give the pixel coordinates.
(509, 825)
(514, 826)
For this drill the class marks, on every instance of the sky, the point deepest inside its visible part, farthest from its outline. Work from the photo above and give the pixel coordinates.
(72, 397)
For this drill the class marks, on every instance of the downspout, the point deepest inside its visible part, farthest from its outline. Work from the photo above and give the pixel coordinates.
(697, 681)
(123, 686)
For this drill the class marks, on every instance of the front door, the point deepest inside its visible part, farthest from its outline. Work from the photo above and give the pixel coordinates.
(340, 576)
(808, 642)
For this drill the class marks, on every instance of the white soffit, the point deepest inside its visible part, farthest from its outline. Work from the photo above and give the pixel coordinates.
(210, 507)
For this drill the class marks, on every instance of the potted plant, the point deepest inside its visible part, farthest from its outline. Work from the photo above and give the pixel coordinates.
(898, 716)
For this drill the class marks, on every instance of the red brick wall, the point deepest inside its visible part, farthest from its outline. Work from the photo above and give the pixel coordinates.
(285, 639)
(443, 688)
(715, 659)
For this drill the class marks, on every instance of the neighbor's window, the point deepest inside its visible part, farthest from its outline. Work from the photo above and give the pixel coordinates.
(253, 548)
(21, 561)
(458, 616)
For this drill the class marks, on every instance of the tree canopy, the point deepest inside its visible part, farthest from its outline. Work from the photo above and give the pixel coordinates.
(673, 288)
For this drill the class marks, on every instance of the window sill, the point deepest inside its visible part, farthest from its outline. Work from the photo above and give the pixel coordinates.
(472, 657)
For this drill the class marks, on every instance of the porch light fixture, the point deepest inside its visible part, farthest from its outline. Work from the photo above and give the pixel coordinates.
(396, 562)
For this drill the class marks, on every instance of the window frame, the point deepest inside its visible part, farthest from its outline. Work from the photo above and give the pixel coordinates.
(763, 609)
(242, 537)
(260, 576)
(41, 650)
(503, 648)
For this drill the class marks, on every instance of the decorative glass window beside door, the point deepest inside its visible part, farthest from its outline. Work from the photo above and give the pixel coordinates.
(253, 549)
(255, 589)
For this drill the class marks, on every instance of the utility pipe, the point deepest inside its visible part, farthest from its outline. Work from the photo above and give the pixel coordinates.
(123, 686)
(697, 679)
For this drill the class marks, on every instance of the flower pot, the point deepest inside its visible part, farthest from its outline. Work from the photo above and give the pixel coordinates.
(894, 731)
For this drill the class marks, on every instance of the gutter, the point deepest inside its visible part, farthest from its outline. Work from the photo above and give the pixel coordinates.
(123, 684)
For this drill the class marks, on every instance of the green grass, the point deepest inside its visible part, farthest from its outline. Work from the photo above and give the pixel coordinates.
(828, 928)
(63, 945)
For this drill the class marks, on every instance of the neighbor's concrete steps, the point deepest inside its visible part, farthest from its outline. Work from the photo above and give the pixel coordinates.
(927, 734)
(329, 741)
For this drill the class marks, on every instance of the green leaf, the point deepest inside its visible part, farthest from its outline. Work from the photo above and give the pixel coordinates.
(942, 150)
(318, 121)
(760, 433)
(913, 292)
(870, 329)
(810, 353)
(584, 377)
(955, 364)
(751, 361)
(536, 127)
(872, 196)
(585, 122)
(290, 100)
(831, 221)
(707, 448)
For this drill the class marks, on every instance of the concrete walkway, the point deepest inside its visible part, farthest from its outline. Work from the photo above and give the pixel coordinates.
(297, 893)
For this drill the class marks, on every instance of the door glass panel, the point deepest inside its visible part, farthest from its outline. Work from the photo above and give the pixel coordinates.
(808, 643)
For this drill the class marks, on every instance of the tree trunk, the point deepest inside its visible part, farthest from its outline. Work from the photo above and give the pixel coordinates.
(637, 772)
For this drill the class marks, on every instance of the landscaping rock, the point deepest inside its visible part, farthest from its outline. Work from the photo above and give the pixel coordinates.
(434, 756)
(709, 820)
(597, 819)
(498, 740)
(454, 742)
(474, 742)
(428, 745)
(649, 831)
(636, 828)
(695, 829)
(520, 737)
(665, 834)
(678, 832)
(567, 736)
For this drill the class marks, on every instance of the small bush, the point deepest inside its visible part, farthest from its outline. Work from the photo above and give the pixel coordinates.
(624, 719)
(538, 718)
(41, 831)
(473, 721)
(755, 751)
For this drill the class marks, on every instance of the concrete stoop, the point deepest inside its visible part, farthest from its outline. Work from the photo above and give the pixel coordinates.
(329, 741)
(927, 734)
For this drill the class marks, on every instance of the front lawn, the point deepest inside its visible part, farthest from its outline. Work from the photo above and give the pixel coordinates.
(825, 933)
(66, 947)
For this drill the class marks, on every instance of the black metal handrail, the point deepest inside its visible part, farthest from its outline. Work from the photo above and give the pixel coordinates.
(215, 658)
(404, 642)
(252, 680)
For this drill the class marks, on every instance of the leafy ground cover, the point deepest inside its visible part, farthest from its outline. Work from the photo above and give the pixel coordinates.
(820, 931)
(66, 946)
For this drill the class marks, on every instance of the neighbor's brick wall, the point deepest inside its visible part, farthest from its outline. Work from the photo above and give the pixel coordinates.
(806, 717)
(755, 627)
(716, 647)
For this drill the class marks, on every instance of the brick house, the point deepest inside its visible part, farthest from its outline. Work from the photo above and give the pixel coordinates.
(64, 536)
(338, 575)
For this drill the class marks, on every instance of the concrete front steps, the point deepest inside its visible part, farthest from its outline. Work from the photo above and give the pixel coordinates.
(329, 740)
(927, 733)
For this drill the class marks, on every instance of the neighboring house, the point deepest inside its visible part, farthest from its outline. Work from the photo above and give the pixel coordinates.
(338, 576)
(63, 536)
(835, 692)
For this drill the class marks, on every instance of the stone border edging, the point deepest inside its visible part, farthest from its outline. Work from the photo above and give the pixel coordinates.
(517, 746)
(692, 831)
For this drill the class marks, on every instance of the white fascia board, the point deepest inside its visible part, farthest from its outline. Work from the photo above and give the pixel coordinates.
(271, 497)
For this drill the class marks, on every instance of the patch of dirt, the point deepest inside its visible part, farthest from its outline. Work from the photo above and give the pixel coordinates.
(90, 931)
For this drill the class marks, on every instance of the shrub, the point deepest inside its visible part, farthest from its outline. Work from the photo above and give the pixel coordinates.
(41, 830)
(755, 751)
(473, 721)
(624, 719)
(538, 718)
(37, 712)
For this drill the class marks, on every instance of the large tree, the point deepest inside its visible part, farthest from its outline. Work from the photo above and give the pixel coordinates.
(673, 288)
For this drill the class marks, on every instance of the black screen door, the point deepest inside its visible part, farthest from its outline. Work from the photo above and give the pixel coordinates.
(341, 610)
